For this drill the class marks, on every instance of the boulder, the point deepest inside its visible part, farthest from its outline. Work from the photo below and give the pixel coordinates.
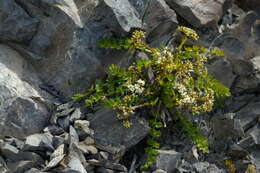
(199, 12)
(24, 108)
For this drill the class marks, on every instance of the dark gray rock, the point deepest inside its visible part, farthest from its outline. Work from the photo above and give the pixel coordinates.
(168, 160)
(125, 13)
(222, 70)
(61, 114)
(15, 23)
(110, 131)
(158, 19)
(199, 13)
(24, 109)
(224, 127)
(53, 130)
(64, 123)
(249, 115)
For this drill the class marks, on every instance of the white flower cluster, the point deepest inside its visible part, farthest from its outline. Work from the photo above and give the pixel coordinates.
(137, 88)
(166, 53)
(187, 99)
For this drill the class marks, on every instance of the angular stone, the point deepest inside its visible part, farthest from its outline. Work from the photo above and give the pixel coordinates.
(168, 160)
(110, 131)
(199, 12)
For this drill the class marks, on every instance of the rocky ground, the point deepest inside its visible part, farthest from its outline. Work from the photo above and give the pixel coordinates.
(49, 51)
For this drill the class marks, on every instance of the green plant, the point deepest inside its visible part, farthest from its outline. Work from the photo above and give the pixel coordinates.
(170, 80)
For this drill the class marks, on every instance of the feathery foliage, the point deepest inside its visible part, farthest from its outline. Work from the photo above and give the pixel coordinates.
(171, 79)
